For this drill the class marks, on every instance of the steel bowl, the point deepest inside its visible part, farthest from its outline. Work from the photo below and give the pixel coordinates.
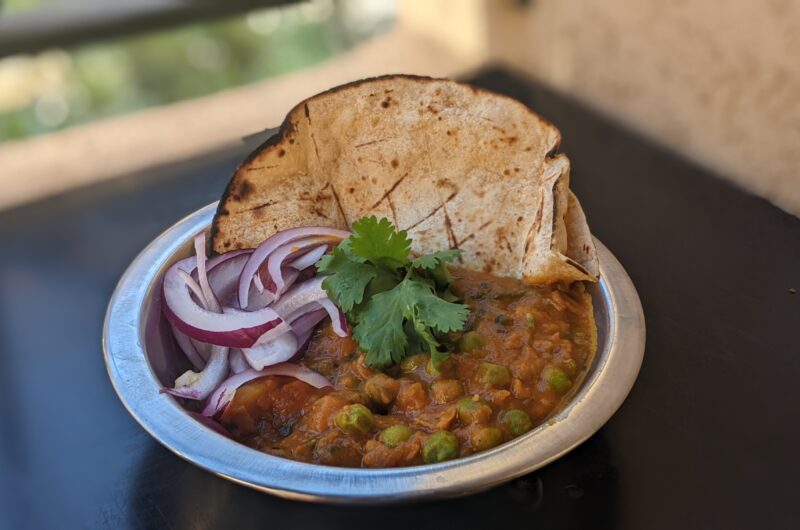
(133, 346)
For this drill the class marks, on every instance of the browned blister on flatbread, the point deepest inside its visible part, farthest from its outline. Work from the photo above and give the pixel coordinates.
(456, 166)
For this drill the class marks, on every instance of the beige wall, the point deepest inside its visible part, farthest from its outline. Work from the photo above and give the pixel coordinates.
(718, 80)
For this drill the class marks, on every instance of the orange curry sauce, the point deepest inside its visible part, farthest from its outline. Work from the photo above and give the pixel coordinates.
(523, 350)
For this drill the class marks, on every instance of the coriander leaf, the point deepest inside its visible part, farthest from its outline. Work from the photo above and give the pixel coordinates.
(441, 315)
(348, 278)
(324, 264)
(425, 334)
(345, 247)
(380, 329)
(379, 243)
(383, 281)
(415, 343)
(433, 266)
(346, 287)
(437, 356)
(331, 263)
(431, 261)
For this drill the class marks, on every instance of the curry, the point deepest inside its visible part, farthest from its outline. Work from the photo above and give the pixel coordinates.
(521, 353)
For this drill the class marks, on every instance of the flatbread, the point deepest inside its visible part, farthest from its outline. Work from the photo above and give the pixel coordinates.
(454, 165)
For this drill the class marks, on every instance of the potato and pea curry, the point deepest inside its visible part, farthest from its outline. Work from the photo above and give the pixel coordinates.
(520, 352)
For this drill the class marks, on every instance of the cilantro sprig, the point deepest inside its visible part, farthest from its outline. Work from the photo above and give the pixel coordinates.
(397, 306)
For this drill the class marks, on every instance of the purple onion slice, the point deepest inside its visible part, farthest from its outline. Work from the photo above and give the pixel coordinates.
(278, 350)
(263, 251)
(237, 361)
(290, 251)
(212, 304)
(305, 319)
(194, 385)
(188, 348)
(300, 295)
(223, 395)
(232, 328)
(338, 321)
(309, 259)
(211, 423)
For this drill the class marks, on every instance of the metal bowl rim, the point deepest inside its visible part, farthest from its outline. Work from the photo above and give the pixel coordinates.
(616, 367)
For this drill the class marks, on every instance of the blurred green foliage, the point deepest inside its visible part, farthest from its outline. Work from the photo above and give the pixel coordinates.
(109, 78)
(12, 6)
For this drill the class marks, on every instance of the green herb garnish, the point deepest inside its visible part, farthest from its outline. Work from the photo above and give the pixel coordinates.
(397, 306)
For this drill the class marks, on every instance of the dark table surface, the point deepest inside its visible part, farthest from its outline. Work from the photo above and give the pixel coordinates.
(708, 438)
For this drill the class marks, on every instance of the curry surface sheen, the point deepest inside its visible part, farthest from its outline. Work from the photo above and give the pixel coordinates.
(523, 351)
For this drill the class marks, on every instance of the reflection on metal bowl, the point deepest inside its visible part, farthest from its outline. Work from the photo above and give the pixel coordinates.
(134, 347)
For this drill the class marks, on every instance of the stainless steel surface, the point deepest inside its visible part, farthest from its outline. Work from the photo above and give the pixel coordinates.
(621, 338)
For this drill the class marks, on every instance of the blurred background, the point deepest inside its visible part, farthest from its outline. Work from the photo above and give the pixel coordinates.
(95, 89)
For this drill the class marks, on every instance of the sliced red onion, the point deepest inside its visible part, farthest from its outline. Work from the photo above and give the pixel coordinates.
(304, 341)
(274, 333)
(305, 320)
(165, 359)
(310, 258)
(237, 361)
(263, 251)
(258, 283)
(224, 278)
(259, 300)
(260, 296)
(203, 348)
(223, 275)
(233, 328)
(188, 348)
(275, 346)
(303, 326)
(338, 321)
(289, 275)
(221, 258)
(292, 249)
(211, 423)
(212, 304)
(193, 286)
(273, 352)
(193, 385)
(299, 296)
(223, 395)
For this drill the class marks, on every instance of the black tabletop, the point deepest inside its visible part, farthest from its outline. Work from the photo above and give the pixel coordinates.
(708, 438)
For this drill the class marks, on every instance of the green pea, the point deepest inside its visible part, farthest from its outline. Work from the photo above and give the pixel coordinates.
(558, 380)
(471, 411)
(382, 389)
(395, 435)
(471, 341)
(494, 375)
(355, 418)
(530, 321)
(517, 421)
(440, 446)
(409, 364)
(486, 438)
